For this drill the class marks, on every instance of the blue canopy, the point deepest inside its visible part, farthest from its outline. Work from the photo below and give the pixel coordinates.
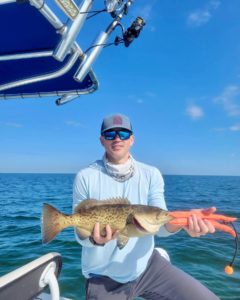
(29, 36)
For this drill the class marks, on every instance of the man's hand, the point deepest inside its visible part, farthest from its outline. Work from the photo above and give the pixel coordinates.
(101, 240)
(196, 225)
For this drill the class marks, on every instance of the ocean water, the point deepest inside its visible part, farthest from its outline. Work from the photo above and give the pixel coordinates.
(22, 196)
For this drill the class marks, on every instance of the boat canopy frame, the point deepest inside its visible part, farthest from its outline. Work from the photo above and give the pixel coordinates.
(20, 73)
(40, 55)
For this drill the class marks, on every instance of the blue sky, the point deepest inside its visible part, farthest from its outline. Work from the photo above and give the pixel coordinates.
(179, 82)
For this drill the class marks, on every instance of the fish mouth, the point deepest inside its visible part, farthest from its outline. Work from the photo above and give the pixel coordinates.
(138, 225)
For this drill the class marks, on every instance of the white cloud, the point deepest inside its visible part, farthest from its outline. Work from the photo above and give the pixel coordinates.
(131, 96)
(199, 18)
(220, 129)
(152, 28)
(139, 100)
(11, 124)
(144, 10)
(194, 112)
(228, 99)
(74, 124)
(151, 94)
(214, 4)
(145, 97)
(202, 16)
(235, 127)
(136, 99)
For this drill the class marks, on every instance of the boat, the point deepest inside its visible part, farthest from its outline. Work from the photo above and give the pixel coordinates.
(33, 279)
(29, 281)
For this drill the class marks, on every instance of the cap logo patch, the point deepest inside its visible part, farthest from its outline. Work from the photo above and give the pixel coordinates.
(117, 120)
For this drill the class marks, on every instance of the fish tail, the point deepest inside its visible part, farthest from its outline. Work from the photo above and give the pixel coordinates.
(53, 222)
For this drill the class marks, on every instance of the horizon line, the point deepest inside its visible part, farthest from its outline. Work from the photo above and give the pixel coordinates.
(74, 173)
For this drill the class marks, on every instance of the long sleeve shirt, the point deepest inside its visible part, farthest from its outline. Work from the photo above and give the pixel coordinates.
(145, 187)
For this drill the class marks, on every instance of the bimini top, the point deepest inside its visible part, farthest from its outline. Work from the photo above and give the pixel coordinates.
(39, 54)
(28, 68)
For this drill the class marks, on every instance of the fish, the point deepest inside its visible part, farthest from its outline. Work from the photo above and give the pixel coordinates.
(130, 220)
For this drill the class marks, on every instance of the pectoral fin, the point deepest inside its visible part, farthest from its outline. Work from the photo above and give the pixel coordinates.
(122, 241)
(82, 233)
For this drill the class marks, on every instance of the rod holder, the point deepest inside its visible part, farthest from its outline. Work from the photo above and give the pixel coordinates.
(90, 59)
(71, 34)
(99, 44)
(65, 99)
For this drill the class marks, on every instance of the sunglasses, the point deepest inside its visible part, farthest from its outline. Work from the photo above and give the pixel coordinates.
(111, 135)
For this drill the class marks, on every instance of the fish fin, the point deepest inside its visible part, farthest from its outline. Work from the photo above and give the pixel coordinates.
(51, 222)
(116, 200)
(88, 203)
(122, 241)
(82, 233)
(85, 204)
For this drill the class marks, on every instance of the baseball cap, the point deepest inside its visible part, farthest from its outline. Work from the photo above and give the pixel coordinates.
(116, 121)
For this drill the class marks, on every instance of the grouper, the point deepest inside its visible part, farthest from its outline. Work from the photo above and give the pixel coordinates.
(130, 220)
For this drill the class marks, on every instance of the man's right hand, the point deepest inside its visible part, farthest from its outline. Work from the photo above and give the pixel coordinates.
(101, 240)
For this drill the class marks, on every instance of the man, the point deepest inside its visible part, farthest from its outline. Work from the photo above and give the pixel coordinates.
(137, 269)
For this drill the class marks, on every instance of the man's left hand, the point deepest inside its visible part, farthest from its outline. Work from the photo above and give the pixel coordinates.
(198, 226)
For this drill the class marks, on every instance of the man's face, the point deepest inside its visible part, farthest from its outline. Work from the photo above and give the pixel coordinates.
(117, 150)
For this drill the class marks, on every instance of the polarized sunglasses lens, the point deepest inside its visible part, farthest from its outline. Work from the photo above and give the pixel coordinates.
(109, 135)
(124, 135)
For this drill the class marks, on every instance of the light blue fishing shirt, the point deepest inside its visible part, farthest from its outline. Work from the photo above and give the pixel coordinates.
(146, 187)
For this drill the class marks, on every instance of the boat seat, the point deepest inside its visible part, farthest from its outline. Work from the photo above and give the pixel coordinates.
(30, 280)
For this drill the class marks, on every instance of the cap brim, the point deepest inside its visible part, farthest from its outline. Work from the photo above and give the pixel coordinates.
(116, 127)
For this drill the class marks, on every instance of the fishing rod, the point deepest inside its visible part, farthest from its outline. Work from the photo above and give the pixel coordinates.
(117, 10)
(127, 37)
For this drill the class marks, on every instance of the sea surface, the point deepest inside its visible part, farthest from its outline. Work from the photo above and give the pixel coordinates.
(22, 197)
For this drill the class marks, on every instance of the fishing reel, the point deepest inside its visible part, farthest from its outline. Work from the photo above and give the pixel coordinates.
(131, 33)
(118, 9)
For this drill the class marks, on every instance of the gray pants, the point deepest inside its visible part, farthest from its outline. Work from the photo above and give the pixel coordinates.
(160, 281)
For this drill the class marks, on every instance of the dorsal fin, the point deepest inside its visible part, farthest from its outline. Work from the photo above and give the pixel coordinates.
(88, 203)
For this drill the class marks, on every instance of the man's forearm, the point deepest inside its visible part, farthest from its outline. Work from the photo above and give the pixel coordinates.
(172, 228)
